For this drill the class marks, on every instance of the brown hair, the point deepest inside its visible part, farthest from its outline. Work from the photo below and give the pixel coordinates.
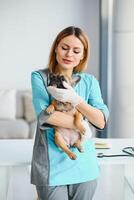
(64, 33)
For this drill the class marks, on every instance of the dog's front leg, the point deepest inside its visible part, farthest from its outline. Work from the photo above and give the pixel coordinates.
(51, 108)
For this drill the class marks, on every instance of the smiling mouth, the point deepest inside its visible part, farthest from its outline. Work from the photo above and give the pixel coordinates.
(67, 61)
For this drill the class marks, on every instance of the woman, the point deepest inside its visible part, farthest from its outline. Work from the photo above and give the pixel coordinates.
(55, 175)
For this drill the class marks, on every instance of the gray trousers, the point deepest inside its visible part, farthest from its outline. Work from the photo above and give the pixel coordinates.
(81, 191)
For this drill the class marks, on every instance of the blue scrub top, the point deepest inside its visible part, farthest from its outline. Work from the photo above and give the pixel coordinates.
(63, 170)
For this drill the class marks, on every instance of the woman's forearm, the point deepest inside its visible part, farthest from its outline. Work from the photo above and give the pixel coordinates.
(94, 115)
(61, 119)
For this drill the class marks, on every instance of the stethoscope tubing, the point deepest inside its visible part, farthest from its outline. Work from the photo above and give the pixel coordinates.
(101, 155)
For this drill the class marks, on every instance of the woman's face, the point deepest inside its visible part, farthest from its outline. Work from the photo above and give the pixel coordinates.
(69, 52)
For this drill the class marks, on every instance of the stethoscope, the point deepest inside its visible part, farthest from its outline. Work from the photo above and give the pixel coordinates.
(128, 150)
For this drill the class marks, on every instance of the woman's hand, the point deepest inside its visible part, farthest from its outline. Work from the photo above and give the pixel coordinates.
(65, 95)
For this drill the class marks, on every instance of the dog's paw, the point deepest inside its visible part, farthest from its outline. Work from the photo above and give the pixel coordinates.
(72, 156)
(50, 109)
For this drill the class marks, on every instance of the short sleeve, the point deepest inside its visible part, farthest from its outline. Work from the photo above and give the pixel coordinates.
(95, 98)
(40, 99)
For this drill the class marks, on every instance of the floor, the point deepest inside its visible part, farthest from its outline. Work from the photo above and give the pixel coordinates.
(111, 184)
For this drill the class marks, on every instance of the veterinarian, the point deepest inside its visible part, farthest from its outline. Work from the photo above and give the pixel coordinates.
(54, 174)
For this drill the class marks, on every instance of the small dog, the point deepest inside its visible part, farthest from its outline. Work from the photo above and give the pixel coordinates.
(64, 138)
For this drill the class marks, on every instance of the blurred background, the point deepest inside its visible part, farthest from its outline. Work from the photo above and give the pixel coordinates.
(27, 31)
(29, 27)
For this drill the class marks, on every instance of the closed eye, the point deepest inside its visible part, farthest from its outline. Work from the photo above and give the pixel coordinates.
(64, 48)
(76, 52)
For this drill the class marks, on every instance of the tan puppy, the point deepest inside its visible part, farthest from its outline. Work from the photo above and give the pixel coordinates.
(64, 138)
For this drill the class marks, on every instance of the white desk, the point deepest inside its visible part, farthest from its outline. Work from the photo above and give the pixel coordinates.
(15, 152)
(116, 146)
(19, 152)
(15, 156)
(117, 174)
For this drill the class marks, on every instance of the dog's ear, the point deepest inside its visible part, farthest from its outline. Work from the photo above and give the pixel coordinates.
(75, 80)
(63, 78)
(51, 79)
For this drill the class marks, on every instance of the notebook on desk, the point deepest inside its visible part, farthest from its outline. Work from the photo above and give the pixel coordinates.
(102, 145)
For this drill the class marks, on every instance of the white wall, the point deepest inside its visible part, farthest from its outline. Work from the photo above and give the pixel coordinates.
(122, 109)
(28, 28)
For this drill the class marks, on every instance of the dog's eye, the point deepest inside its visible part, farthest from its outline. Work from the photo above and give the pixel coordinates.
(63, 78)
